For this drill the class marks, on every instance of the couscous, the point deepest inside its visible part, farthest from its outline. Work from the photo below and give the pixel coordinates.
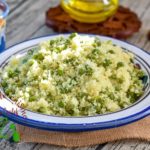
(74, 76)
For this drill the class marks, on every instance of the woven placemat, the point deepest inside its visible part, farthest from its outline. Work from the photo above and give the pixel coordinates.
(137, 130)
(123, 24)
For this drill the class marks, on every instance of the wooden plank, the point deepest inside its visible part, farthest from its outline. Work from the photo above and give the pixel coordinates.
(43, 31)
(128, 145)
(140, 38)
(6, 145)
(50, 147)
(25, 146)
(27, 22)
(87, 148)
(13, 4)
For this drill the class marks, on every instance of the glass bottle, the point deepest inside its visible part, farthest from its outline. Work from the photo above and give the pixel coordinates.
(4, 10)
(90, 11)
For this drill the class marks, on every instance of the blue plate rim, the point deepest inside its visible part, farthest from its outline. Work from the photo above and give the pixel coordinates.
(73, 127)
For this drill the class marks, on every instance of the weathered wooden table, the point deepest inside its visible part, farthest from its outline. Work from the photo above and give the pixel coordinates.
(27, 20)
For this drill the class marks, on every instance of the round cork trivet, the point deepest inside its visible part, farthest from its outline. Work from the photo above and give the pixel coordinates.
(123, 24)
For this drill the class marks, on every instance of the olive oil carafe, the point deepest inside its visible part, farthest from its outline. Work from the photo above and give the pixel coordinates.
(90, 11)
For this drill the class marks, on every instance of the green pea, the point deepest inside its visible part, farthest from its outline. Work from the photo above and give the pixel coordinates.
(81, 71)
(10, 73)
(95, 51)
(107, 63)
(38, 56)
(7, 91)
(89, 70)
(57, 49)
(44, 67)
(32, 98)
(19, 84)
(30, 63)
(13, 73)
(52, 42)
(120, 64)
(113, 77)
(4, 84)
(111, 52)
(111, 95)
(72, 35)
(120, 80)
(67, 42)
(61, 104)
(118, 88)
(60, 72)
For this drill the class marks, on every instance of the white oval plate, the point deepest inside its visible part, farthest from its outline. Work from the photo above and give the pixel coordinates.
(32, 119)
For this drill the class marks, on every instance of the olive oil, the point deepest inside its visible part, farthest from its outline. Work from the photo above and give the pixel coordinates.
(90, 11)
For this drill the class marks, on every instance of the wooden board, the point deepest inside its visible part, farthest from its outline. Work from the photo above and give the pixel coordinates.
(26, 20)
